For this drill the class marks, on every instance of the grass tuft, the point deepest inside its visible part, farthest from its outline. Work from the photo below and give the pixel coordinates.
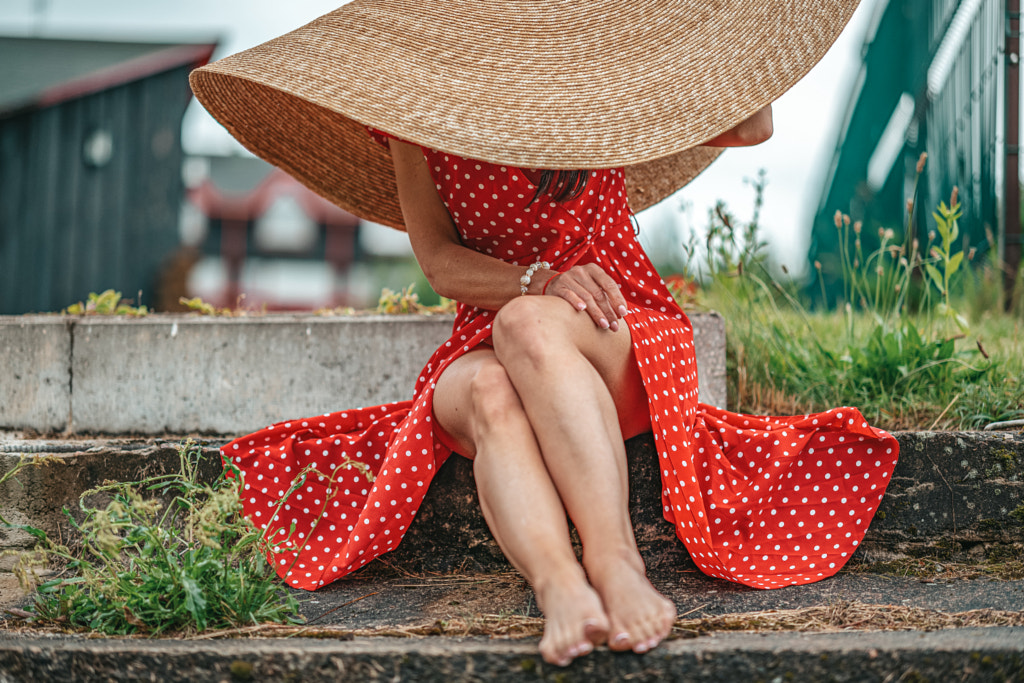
(168, 554)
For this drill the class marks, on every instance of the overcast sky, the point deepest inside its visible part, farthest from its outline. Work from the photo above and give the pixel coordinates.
(806, 118)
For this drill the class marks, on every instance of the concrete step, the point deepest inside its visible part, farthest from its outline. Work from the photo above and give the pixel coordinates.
(215, 375)
(952, 494)
(957, 496)
(992, 654)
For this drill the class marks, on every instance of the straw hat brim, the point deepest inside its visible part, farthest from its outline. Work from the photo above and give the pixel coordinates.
(556, 84)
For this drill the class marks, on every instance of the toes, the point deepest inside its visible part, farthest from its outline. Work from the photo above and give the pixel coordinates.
(554, 656)
(560, 651)
(656, 630)
(620, 642)
(595, 632)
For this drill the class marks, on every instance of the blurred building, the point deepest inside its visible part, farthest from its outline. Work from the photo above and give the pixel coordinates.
(938, 76)
(90, 166)
(255, 230)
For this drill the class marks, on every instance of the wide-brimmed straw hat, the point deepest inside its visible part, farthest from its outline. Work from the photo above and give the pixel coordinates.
(560, 84)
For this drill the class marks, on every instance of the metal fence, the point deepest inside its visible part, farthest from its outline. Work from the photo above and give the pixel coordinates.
(934, 79)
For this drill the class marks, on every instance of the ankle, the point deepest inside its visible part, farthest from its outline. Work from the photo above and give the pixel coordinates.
(611, 562)
(566, 577)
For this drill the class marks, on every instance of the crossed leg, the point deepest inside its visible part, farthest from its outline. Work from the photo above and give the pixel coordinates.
(544, 414)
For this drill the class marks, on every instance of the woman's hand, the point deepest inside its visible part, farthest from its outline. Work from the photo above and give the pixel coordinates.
(588, 288)
(753, 131)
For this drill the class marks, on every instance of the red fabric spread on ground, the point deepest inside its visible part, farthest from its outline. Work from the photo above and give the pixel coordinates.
(766, 502)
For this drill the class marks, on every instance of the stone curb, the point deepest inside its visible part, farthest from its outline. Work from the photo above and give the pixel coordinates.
(186, 373)
(995, 654)
(951, 491)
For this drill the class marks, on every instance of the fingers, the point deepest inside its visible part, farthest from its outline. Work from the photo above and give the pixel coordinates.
(588, 288)
(616, 303)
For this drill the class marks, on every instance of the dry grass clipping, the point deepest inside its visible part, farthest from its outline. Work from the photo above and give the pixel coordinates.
(838, 617)
(841, 616)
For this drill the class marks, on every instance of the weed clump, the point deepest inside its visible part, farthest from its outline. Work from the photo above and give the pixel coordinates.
(108, 302)
(408, 301)
(164, 555)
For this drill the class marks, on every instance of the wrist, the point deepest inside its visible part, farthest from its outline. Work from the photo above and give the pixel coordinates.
(549, 277)
(529, 281)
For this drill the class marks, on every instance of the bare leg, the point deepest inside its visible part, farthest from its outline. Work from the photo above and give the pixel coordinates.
(475, 402)
(566, 371)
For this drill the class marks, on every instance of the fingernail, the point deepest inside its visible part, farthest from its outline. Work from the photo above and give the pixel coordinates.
(614, 326)
(623, 310)
(581, 306)
(603, 323)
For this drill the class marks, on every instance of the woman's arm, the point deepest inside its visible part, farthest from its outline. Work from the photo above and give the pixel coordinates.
(753, 131)
(476, 279)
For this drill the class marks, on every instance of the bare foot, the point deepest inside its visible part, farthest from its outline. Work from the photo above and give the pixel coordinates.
(640, 617)
(575, 620)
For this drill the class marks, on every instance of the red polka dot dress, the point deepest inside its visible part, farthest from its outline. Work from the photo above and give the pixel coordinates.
(766, 502)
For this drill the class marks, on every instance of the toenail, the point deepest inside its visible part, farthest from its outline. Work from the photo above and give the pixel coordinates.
(585, 649)
(621, 638)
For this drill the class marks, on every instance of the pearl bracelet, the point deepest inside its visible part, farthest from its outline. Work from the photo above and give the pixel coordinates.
(524, 281)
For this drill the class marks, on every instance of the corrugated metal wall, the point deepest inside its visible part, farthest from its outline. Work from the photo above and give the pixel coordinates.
(933, 74)
(68, 228)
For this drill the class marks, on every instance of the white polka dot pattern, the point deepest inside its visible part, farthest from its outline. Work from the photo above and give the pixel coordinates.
(767, 502)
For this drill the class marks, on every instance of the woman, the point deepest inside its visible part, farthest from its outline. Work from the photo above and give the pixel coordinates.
(566, 342)
(543, 408)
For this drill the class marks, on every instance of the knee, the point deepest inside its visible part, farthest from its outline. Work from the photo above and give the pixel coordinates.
(493, 397)
(527, 328)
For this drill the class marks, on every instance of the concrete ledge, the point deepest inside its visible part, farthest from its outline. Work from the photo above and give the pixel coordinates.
(64, 470)
(35, 372)
(955, 655)
(180, 374)
(952, 491)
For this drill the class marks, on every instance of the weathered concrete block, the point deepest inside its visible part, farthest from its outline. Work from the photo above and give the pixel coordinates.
(954, 488)
(919, 509)
(228, 376)
(178, 374)
(709, 343)
(35, 373)
(58, 473)
(976, 654)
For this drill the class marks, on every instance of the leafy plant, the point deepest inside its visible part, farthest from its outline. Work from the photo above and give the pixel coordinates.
(106, 303)
(148, 567)
(904, 359)
(949, 230)
(197, 305)
(407, 301)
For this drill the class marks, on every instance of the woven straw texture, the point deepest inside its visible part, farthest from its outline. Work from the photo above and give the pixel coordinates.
(557, 84)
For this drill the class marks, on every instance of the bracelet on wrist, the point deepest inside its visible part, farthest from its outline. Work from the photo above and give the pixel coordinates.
(524, 281)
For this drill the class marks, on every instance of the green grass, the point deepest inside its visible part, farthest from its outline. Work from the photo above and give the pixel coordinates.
(783, 361)
(917, 341)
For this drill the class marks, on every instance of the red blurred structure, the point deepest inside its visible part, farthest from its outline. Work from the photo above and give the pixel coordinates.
(233, 205)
